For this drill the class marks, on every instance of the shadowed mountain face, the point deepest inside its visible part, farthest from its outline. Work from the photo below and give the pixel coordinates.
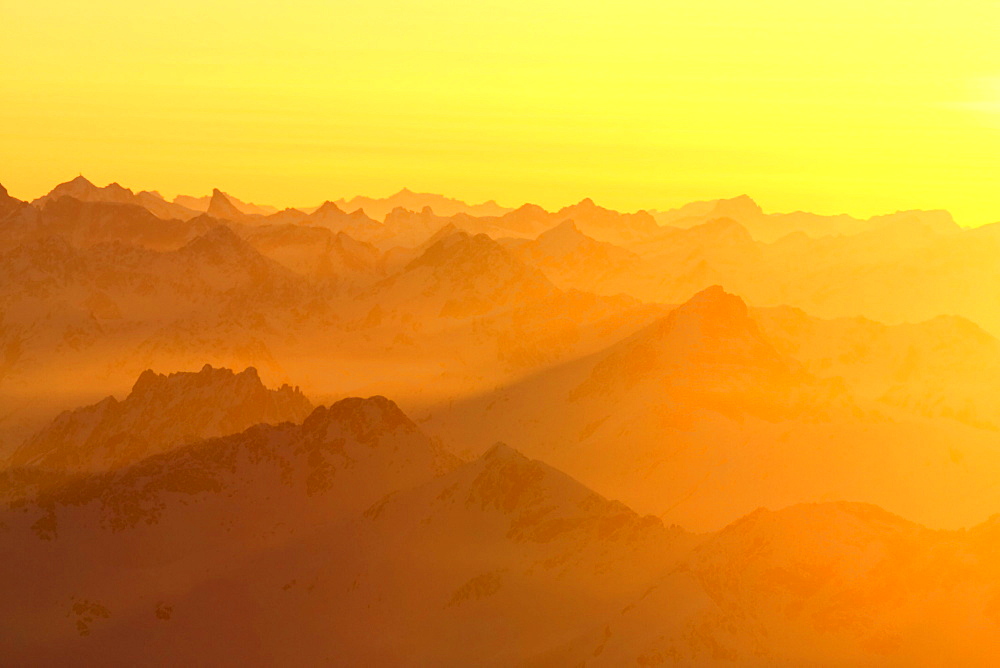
(711, 336)
(9, 206)
(700, 417)
(846, 373)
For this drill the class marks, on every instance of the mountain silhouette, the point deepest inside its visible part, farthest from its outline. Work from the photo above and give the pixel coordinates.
(160, 413)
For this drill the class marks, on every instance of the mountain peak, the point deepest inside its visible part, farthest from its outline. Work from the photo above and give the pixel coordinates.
(706, 342)
(328, 207)
(716, 299)
(448, 230)
(501, 452)
(714, 328)
(528, 209)
(738, 207)
(714, 313)
(215, 240)
(562, 238)
(460, 247)
(151, 382)
(363, 419)
(567, 227)
(161, 412)
(221, 207)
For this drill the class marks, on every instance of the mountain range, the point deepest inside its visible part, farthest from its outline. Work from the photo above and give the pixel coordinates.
(416, 431)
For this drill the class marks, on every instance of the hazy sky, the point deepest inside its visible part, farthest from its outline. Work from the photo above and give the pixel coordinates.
(857, 106)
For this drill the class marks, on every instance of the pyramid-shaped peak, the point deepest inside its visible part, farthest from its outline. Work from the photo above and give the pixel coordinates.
(448, 230)
(220, 206)
(532, 209)
(146, 380)
(565, 235)
(215, 237)
(78, 187)
(714, 327)
(328, 207)
(221, 245)
(566, 227)
(719, 224)
(502, 452)
(587, 208)
(717, 302)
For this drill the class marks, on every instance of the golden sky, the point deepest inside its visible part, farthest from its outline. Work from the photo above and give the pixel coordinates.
(857, 106)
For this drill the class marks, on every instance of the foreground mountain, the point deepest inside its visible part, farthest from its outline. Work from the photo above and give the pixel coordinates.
(333, 539)
(487, 564)
(354, 538)
(826, 584)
